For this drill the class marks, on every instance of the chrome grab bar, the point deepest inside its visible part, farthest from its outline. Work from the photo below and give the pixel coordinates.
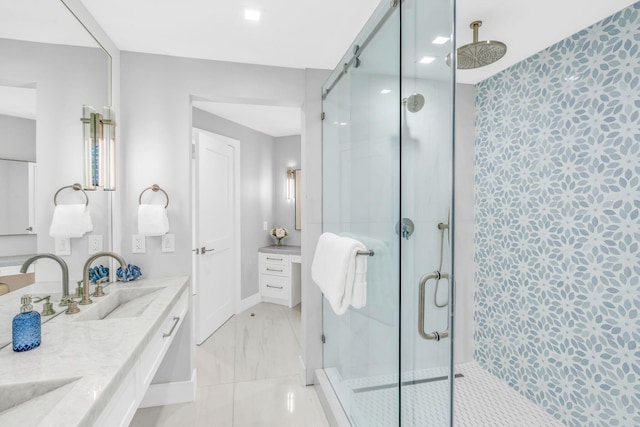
(435, 335)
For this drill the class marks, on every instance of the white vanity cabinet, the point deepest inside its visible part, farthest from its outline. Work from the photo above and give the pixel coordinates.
(279, 274)
(122, 407)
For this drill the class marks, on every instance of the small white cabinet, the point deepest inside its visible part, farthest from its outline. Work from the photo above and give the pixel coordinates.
(279, 278)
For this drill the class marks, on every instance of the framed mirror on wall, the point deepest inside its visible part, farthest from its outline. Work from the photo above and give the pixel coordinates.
(51, 67)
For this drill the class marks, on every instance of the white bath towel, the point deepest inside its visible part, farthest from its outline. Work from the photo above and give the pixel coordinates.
(340, 272)
(70, 221)
(152, 220)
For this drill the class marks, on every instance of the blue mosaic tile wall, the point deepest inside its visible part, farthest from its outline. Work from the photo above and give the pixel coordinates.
(557, 240)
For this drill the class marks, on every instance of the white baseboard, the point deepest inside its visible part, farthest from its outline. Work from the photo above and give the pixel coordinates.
(249, 302)
(170, 393)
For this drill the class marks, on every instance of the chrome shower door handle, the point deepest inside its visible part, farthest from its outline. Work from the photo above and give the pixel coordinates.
(435, 335)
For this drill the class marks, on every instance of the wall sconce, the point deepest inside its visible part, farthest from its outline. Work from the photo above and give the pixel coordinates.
(291, 184)
(99, 148)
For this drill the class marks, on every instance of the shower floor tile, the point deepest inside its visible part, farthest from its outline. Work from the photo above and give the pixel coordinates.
(480, 400)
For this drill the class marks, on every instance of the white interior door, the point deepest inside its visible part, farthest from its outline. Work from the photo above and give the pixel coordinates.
(214, 234)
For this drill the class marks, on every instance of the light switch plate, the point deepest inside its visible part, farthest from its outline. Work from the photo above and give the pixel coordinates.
(63, 246)
(169, 242)
(138, 244)
(265, 226)
(95, 243)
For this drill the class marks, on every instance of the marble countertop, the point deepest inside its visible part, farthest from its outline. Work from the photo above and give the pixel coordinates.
(282, 249)
(81, 363)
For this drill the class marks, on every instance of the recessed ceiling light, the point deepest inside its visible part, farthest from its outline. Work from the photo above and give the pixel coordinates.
(343, 123)
(252, 15)
(427, 60)
(440, 40)
(385, 91)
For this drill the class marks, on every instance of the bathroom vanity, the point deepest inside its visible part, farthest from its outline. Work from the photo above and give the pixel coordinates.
(96, 367)
(279, 272)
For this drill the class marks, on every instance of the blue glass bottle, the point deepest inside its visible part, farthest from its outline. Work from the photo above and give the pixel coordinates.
(26, 327)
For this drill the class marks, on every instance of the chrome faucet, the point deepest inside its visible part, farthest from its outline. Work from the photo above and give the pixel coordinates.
(63, 267)
(85, 272)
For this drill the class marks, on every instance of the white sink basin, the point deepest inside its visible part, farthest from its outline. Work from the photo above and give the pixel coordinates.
(122, 303)
(27, 404)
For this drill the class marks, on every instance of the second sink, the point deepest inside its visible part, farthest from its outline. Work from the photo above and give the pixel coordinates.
(120, 303)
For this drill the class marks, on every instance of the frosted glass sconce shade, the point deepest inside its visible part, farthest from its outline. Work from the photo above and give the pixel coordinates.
(99, 148)
(291, 184)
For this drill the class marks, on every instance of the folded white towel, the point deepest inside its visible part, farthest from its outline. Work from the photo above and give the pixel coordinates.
(340, 272)
(70, 221)
(152, 220)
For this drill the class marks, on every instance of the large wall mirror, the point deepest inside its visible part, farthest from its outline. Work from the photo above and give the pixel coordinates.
(51, 67)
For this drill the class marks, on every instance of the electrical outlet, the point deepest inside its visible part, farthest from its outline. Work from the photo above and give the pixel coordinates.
(95, 243)
(169, 243)
(138, 244)
(265, 226)
(63, 246)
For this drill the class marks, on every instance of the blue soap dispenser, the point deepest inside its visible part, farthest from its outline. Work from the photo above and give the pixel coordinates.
(26, 327)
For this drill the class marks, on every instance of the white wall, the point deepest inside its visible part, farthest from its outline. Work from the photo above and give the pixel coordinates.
(463, 227)
(311, 154)
(256, 151)
(18, 138)
(156, 138)
(65, 78)
(17, 142)
(286, 154)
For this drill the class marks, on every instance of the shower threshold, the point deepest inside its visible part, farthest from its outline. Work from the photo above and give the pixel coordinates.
(481, 399)
(404, 383)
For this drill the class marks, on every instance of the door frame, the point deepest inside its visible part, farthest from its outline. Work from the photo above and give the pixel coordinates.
(235, 145)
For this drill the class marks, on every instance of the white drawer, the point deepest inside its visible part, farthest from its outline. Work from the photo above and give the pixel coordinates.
(275, 269)
(274, 259)
(274, 287)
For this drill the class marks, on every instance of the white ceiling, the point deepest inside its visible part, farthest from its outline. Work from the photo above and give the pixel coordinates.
(526, 26)
(274, 121)
(46, 21)
(292, 33)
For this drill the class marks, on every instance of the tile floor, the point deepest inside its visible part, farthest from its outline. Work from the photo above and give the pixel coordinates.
(247, 375)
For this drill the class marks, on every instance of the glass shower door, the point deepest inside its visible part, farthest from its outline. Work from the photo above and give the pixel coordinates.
(387, 183)
(361, 194)
(426, 208)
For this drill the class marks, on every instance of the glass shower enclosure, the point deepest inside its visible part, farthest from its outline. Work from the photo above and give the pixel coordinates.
(387, 182)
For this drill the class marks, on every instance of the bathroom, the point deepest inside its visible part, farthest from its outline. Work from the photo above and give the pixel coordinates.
(557, 322)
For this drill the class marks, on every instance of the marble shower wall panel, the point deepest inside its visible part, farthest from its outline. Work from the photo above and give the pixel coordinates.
(557, 202)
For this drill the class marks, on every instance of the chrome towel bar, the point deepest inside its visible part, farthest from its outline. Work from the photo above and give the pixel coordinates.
(75, 187)
(369, 253)
(154, 188)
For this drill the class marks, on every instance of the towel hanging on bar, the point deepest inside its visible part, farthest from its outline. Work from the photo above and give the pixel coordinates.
(153, 219)
(72, 220)
(339, 272)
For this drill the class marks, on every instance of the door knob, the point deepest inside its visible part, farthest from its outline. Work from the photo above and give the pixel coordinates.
(196, 250)
(204, 250)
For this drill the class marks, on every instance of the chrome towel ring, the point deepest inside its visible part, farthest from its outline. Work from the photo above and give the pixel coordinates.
(75, 187)
(155, 188)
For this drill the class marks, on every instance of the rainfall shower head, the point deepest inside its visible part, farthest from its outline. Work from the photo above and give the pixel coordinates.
(479, 53)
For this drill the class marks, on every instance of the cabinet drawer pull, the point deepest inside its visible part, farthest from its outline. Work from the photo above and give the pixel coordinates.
(176, 319)
(274, 269)
(275, 287)
(274, 259)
